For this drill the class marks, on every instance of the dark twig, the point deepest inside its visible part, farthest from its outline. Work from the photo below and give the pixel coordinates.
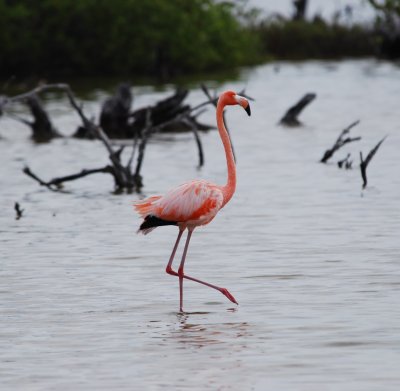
(142, 146)
(55, 183)
(42, 127)
(340, 142)
(345, 163)
(364, 163)
(18, 211)
(149, 130)
(192, 126)
(28, 172)
(134, 147)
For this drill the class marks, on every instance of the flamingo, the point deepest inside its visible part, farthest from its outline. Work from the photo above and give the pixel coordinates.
(194, 203)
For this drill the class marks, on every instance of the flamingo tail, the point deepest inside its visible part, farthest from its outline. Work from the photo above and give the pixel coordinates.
(151, 222)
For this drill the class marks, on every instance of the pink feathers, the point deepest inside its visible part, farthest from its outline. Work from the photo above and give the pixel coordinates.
(190, 204)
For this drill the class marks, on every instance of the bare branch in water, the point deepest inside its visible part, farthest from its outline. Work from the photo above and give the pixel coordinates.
(345, 163)
(364, 163)
(290, 117)
(18, 211)
(123, 176)
(340, 142)
(55, 184)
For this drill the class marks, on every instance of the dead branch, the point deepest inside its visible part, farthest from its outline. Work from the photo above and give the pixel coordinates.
(345, 163)
(18, 211)
(145, 137)
(290, 117)
(115, 112)
(198, 141)
(364, 163)
(340, 141)
(123, 176)
(55, 184)
(150, 130)
(42, 127)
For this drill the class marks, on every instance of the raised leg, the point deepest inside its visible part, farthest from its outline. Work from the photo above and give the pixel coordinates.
(182, 275)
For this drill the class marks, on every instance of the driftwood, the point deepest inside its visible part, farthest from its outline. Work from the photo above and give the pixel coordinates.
(125, 178)
(119, 122)
(290, 117)
(115, 112)
(114, 116)
(18, 211)
(364, 163)
(149, 130)
(122, 175)
(55, 184)
(163, 111)
(345, 163)
(340, 141)
(43, 129)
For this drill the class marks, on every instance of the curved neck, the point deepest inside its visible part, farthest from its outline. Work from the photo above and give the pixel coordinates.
(230, 186)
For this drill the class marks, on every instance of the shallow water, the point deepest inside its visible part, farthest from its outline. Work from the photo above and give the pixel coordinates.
(312, 259)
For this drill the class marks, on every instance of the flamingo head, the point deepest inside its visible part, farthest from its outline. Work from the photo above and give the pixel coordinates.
(232, 98)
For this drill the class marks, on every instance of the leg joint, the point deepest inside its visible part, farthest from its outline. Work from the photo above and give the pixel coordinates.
(169, 270)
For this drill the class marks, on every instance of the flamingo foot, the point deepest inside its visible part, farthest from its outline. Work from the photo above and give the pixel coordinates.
(225, 292)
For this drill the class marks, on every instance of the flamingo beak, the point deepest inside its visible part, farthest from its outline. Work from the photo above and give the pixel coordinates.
(247, 108)
(244, 103)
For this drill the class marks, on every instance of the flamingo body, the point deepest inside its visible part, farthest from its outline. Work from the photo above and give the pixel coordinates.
(194, 203)
(189, 205)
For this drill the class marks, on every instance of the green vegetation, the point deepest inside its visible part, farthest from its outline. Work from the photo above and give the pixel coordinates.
(287, 39)
(390, 6)
(387, 26)
(144, 37)
(172, 38)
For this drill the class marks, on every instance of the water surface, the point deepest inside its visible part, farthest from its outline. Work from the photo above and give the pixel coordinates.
(312, 259)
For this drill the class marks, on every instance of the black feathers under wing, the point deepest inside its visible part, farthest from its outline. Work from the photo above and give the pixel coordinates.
(151, 221)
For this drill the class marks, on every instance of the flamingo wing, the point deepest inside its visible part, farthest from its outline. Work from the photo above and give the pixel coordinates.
(195, 202)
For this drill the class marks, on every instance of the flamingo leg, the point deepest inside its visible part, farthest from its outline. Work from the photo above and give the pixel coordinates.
(180, 270)
(182, 275)
(171, 258)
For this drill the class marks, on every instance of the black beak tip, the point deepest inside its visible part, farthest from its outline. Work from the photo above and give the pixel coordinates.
(248, 111)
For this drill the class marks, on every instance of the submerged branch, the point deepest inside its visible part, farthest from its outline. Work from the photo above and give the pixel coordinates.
(346, 162)
(55, 183)
(290, 117)
(364, 163)
(18, 211)
(340, 142)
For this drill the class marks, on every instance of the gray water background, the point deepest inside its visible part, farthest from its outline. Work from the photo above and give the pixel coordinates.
(313, 260)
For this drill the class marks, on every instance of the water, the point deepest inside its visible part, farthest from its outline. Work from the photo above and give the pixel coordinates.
(312, 259)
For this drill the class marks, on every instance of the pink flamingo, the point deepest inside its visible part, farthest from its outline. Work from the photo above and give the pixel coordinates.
(194, 203)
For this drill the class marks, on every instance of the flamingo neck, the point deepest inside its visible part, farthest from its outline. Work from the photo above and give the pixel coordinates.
(230, 186)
